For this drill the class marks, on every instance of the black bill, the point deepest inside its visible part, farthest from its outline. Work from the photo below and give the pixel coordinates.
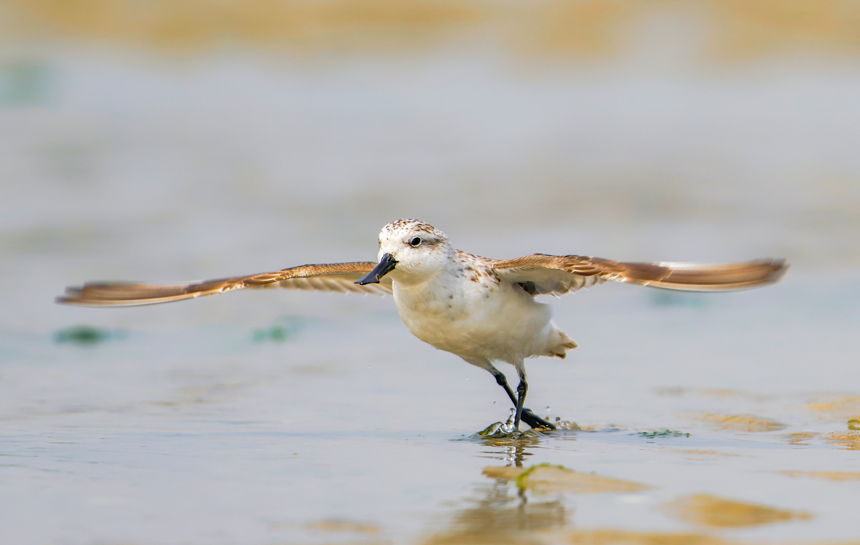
(385, 266)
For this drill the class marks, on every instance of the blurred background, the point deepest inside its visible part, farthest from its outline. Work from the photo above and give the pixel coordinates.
(166, 136)
(173, 140)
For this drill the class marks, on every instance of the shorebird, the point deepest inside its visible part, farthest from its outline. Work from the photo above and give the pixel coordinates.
(482, 310)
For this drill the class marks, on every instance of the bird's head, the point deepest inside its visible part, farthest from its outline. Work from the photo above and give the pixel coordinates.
(412, 251)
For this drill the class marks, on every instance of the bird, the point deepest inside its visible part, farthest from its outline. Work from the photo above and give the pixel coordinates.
(483, 310)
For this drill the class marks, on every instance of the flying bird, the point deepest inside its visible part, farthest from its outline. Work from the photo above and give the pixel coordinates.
(483, 310)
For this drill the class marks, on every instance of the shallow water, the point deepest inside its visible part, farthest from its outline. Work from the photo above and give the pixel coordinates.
(349, 429)
(278, 417)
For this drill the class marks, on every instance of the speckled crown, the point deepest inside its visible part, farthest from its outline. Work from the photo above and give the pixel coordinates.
(413, 226)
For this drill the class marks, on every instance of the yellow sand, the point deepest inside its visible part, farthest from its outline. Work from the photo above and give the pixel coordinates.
(715, 512)
(737, 28)
(800, 438)
(704, 452)
(846, 439)
(549, 478)
(825, 475)
(840, 408)
(739, 422)
(622, 537)
(343, 526)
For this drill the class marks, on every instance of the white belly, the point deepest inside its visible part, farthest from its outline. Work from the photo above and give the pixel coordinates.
(475, 320)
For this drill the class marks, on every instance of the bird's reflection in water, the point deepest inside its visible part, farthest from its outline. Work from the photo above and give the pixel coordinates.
(500, 512)
(511, 449)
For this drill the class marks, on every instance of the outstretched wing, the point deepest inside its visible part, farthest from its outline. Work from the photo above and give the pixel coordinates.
(338, 277)
(549, 274)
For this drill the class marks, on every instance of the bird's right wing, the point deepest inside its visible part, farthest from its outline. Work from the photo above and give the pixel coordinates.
(337, 277)
(557, 275)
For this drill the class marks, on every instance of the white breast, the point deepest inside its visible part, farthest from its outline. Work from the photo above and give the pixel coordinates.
(474, 318)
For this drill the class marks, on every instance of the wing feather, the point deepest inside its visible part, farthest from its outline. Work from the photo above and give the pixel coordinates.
(336, 277)
(557, 275)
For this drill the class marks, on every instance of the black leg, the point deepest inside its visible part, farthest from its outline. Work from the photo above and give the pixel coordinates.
(522, 388)
(527, 415)
(502, 381)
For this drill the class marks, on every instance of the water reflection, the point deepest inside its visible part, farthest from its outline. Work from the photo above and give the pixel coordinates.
(499, 515)
(510, 448)
(524, 503)
(501, 512)
(528, 505)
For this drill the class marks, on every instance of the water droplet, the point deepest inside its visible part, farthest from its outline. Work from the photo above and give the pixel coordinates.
(508, 427)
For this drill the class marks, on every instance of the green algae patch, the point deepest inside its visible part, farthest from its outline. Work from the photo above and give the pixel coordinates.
(663, 433)
(275, 334)
(715, 512)
(507, 473)
(552, 478)
(666, 298)
(519, 439)
(284, 329)
(496, 429)
(85, 335)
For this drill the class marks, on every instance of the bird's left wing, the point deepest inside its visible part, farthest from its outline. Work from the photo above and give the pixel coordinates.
(337, 277)
(549, 274)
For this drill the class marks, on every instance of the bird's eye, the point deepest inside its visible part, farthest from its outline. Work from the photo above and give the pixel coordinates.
(415, 242)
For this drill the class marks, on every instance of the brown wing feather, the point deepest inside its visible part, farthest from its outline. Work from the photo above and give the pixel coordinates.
(338, 277)
(560, 274)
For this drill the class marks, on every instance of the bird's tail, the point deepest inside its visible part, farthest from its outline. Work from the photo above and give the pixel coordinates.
(559, 344)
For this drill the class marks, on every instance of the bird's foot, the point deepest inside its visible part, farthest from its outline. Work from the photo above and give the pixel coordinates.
(535, 421)
(506, 429)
